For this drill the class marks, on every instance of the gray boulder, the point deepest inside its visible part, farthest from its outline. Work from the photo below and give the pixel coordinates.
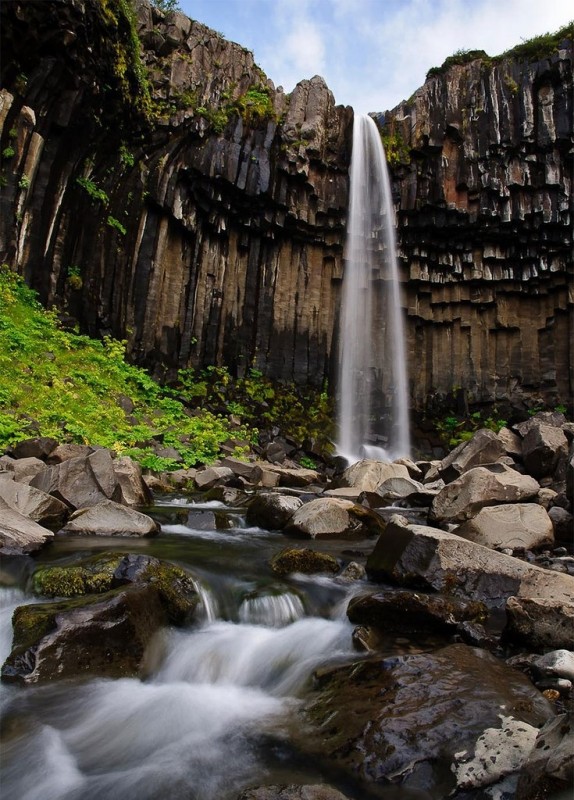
(271, 510)
(511, 442)
(298, 477)
(541, 622)
(557, 663)
(34, 504)
(309, 562)
(39, 447)
(82, 481)
(516, 525)
(134, 491)
(562, 522)
(367, 475)
(213, 476)
(110, 519)
(485, 447)
(480, 487)
(418, 555)
(549, 768)
(542, 448)
(22, 470)
(330, 518)
(19, 534)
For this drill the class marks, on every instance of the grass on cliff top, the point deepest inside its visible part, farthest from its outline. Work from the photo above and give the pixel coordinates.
(68, 386)
(534, 49)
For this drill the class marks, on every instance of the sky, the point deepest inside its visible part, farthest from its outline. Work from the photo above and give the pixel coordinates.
(373, 53)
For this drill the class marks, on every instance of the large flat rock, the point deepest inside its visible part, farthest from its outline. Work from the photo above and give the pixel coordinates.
(418, 555)
(19, 534)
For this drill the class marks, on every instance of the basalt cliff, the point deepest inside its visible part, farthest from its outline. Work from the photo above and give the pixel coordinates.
(158, 187)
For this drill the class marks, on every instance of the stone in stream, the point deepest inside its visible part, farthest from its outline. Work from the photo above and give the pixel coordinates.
(271, 510)
(330, 518)
(107, 518)
(309, 562)
(367, 475)
(540, 622)
(424, 720)
(319, 791)
(118, 603)
(548, 771)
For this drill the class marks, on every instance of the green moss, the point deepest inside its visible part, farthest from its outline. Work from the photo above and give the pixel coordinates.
(304, 560)
(176, 590)
(396, 149)
(92, 576)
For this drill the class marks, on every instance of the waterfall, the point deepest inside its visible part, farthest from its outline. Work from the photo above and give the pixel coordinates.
(373, 416)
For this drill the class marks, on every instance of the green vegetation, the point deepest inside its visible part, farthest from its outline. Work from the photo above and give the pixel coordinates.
(24, 182)
(167, 5)
(534, 49)
(61, 384)
(115, 223)
(95, 193)
(396, 149)
(254, 107)
(8, 152)
(454, 430)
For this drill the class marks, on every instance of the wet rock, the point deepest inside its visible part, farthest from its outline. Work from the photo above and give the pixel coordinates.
(18, 534)
(480, 487)
(542, 448)
(485, 447)
(34, 504)
(106, 636)
(309, 562)
(540, 622)
(352, 572)
(396, 611)
(516, 525)
(92, 576)
(320, 791)
(549, 767)
(367, 475)
(557, 663)
(415, 719)
(330, 518)
(107, 518)
(417, 555)
(272, 511)
(81, 482)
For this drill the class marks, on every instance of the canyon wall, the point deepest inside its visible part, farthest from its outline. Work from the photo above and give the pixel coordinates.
(186, 204)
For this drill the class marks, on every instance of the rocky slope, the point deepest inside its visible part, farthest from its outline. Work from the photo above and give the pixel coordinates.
(208, 221)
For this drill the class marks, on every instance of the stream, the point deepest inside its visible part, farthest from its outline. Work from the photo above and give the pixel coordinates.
(217, 708)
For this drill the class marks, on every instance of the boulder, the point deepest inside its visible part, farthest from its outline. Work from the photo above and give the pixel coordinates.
(540, 622)
(309, 562)
(134, 491)
(39, 447)
(243, 469)
(110, 519)
(397, 488)
(515, 526)
(511, 442)
(34, 504)
(556, 663)
(213, 476)
(542, 448)
(480, 487)
(290, 476)
(419, 719)
(562, 522)
(69, 450)
(105, 635)
(329, 518)
(415, 612)
(554, 419)
(417, 555)
(549, 768)
(82, 481)
(23, 470)
(271, 510)
(367, 475)
(485, 447)
(18, 534)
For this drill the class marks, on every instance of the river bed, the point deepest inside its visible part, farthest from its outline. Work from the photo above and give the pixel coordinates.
(217, 707)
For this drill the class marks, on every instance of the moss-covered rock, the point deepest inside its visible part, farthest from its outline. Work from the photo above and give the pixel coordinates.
(304, 560)
(93, 576)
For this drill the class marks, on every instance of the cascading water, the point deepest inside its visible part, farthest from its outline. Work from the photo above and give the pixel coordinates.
(373, 390)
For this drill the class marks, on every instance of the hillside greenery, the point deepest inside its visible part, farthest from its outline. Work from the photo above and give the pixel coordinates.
(58, 383)
(534, 49)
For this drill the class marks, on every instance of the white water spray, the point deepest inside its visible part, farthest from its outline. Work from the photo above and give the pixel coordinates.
(373, 387)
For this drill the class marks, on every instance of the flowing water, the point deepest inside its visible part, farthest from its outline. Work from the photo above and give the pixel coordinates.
(373, 416)
(217, 710)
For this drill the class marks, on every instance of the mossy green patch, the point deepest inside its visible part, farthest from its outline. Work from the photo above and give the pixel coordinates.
(92, 576)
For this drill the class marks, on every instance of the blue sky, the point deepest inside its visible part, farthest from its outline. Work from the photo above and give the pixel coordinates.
(372, 53)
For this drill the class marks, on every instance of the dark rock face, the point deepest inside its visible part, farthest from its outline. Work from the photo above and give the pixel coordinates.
(234, 222)
(417, 719)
